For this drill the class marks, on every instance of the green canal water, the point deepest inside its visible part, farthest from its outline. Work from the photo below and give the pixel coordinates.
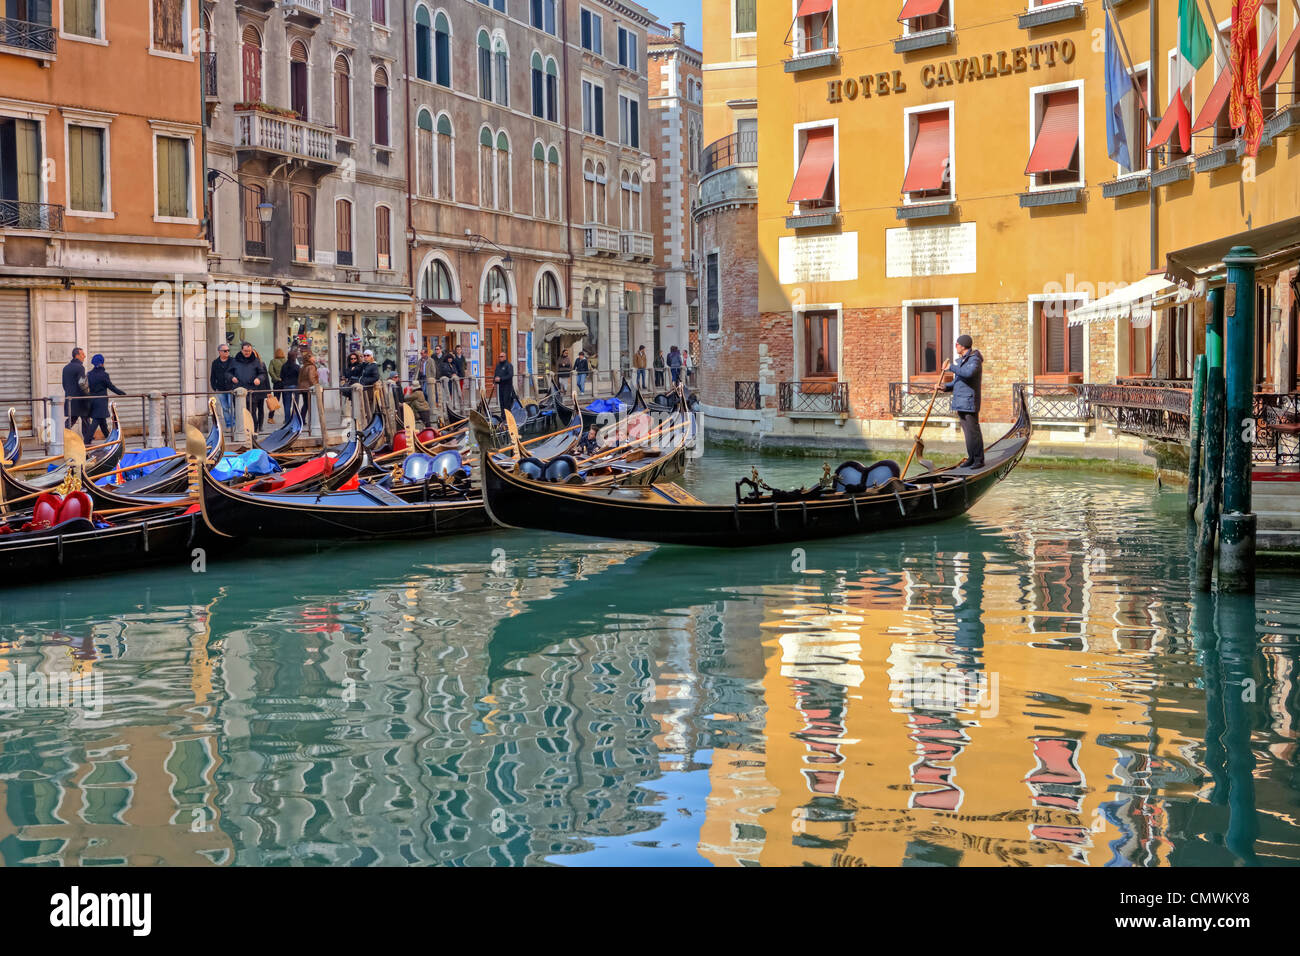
(1033, 683)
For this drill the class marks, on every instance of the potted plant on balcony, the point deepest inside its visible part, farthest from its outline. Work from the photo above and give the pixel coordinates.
(260, 107)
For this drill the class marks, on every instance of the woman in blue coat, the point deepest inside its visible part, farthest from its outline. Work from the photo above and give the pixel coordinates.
(100, 385)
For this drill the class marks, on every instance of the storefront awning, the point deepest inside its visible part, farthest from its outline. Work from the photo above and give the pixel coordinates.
(1284, 60)
(316, 298)
(815, 167)
(1135, 302)
(1058, 134)
(1277, 246)
(449, 314)
(919, 8)
(565, 328)
(1214, 105)
(925, 170)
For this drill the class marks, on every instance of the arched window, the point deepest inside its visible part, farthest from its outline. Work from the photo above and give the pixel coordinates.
(298, 96)
(553, 182)
(381, 107)
(343, 232)
(542, 14)
(634, 203)
(625, 201)
(342, 96)
(503, 171)
(484, 66)
(538, 75)
(602, 201)
(435, 283)
(497, 289)
(425, 171)
(552, 90)
(548, 292)
(589, 190)
(486, 180)
(423, 44)
(251, 66)
(254, 230)
(442, 50)
(501, 60)
(445, 154)
(539, 181)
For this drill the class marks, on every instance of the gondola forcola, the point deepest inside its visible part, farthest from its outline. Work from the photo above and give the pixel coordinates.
(855, 500)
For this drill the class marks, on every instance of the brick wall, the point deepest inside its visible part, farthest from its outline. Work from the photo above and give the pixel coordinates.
(744, 342)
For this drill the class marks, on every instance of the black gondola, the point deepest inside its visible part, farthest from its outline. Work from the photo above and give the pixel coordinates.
(13, 445)
(630, 399)
(859, 500)
(99, 461)
(369, 513)
(284, 436)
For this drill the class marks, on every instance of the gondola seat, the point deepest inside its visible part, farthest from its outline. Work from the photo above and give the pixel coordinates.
(560, 469)
(417, 467)
(853, 477)
(532, 410)
(52, 509)
(532, 468)
(449, 465)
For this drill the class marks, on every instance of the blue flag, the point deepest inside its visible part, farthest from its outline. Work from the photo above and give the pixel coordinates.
(1121, 103)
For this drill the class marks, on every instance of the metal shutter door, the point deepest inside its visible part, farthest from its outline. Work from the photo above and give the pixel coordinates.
(142, 350)
(15, 357)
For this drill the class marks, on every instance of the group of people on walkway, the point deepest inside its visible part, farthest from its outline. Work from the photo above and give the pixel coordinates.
(85, 395)
(283, 385)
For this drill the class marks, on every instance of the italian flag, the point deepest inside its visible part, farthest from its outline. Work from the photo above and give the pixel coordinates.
(1193, 50)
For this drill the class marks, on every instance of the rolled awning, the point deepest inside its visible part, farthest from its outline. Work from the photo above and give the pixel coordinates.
(1058, 134)
(1214, 105)
(451, 315)
(565, 327)
(1283, 60)
(925, 170)
(809, 7)
(1134, 302)
(919, 8)
(815, 166)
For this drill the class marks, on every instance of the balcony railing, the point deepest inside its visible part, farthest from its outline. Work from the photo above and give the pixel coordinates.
(209, 73)
(816, 398)
(304, 9)
(39, 38)
(740, 147)
(912, 399)
(747, 397)
(1056, 402)
(599, 240)
(1277, 428)
(284, 136)
(638, 245)
(30, 215)
(1160, 414)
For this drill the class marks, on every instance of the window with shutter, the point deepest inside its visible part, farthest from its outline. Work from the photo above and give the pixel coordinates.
(1060, 356)
(381, 107)
(81, 18)
(383, 240)
(302, 231)
(445, 157)
(254, 230)
(251, 56)
(343, 232)
(169, 26)
(173, 177)
(424, 172)
(423, 44)
(86, 168)
(931, 345)
(442, 51)
(298, 79)
(342, 96)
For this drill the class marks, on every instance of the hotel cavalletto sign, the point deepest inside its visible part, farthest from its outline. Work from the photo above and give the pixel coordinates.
(951, 72)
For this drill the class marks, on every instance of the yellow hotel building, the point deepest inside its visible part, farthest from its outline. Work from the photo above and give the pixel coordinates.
(939, 167)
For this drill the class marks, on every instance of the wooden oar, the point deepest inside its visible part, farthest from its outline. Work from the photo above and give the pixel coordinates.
(918, 444)
(28, 465)
(612, 451)
(156, 506)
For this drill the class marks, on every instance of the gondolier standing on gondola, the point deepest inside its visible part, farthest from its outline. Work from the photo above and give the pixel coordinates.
(504, 379)
(968, 374)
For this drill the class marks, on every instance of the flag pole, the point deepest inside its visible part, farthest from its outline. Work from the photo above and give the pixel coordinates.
(1128, 59)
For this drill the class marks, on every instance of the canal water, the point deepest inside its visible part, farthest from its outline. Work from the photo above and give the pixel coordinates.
(1034, 683)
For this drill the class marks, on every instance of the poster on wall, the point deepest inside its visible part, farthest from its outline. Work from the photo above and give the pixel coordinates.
(528, 350)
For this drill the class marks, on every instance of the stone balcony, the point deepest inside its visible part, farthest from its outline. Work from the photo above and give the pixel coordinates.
(638, 245)
(598, 240)
(276, 135)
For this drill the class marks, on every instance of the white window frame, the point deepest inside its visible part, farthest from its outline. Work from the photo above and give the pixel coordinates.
(101, 28)
(732, 12)
(631, 45)
(437, 169)
(550, 270)
(352, 230)
(798, 128)
(797, 35)
(334, 98)
(592, 83)
(189, 134)
(597, 35)
(949, 106)
(392, 221)
(796, 331)
(1078, 298)
(188, 30)
(631, 99)
(952, 18)
(374, 132)
(909, 308)
(1139, 68)
(1040, 92)
(103, 121)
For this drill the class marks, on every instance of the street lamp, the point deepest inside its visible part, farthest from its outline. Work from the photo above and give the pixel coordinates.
(265, 209)
(507, 261)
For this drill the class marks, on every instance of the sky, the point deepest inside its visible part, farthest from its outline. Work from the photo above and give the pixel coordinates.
(687, 11)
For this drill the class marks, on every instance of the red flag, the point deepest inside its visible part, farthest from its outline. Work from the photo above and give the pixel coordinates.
(1245, 109)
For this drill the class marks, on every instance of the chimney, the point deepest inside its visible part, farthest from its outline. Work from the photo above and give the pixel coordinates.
(679, 31)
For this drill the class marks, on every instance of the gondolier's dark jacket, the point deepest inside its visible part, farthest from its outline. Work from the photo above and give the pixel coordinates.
(968, 372)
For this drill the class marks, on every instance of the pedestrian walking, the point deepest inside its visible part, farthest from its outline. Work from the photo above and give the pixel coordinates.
(223, 380)
(276, 371)
(99, 385)
(966, 387)
(659, 369)
(289, 384)
(563, 369)
(75, 385)
(462, 364)
(581, 368)
(639, 363)
(674, 363)
(425, 374)
(252, 376)
(348, 379)
(309, 374)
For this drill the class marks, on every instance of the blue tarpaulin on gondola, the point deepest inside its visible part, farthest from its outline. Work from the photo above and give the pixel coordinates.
(601, 405)
(255, 462)
(143, 457)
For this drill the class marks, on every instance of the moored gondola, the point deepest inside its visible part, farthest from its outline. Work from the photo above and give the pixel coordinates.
(854, 500)
(13, 445)
(283, 437)
(100, 459)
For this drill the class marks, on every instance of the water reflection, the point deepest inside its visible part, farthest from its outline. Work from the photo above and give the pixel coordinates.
(1035, 684)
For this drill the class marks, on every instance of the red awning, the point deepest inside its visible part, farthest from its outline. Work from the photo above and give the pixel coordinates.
(919, 8)
(1283, 60)
(929, 153)
(1214, 105)
(815, 167)
(1058, 134)
(1175, 115)
(808, 7)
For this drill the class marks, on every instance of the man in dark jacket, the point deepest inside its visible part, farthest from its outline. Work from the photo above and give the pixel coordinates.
(968, 376)
(503, 377)
(75, 386)
(251, 374)
(100, 385)
(222, 380)
(581, 368)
